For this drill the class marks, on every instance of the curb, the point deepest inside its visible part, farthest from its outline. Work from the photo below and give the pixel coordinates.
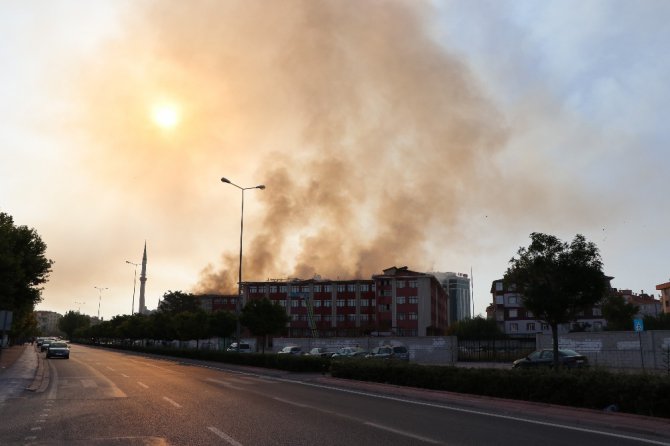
(41, 379)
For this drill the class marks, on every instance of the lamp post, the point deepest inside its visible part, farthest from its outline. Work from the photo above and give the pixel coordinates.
(239, 281)
(132, 308)
(100, 297)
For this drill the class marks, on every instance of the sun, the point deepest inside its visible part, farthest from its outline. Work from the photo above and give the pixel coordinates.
(165, 116)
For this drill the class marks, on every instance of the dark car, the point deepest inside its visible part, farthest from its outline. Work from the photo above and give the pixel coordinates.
(545, 358)
(384, 352)
(44, 346)
(400, 353)
(58, 350)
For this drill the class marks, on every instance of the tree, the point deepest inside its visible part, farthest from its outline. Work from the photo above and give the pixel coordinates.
(23, 269)
(177, 302)
(73, 321)
(264, 318)
(222, 323)
(618, 313)
(558, 280)
(476, 329)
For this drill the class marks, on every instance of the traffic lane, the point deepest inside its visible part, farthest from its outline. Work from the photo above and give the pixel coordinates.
(414, 427)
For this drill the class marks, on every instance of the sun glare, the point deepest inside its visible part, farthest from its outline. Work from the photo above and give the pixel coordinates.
(165, 116)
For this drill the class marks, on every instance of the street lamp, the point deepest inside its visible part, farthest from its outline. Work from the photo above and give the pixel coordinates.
(100, 297)
(132, 308)
(239, 281)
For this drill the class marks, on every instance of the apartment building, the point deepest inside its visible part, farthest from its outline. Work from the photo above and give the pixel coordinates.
(664, 288)
(47, 323)
(515, 320)
(398, 302)
(647, 305)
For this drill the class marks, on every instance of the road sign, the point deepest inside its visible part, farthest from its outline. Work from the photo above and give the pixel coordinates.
(638, 325)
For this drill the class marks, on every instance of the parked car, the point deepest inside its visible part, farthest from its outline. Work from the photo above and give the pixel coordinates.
(545, 358)
(384, 352)
(45, 344)
(349, 352)
(58, 350)
(290, 350)
(320, 351)
(239, 347)
(400, 353)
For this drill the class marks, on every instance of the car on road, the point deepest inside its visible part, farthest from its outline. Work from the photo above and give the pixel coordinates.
(239, 347)
(545, 358)
(45, 344)
(58, 350)
(321, 352)
(290, 350)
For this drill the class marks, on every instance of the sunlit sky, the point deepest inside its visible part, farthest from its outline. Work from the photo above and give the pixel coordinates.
(436, 135)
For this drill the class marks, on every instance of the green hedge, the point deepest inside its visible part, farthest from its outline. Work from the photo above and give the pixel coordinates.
(641, 394)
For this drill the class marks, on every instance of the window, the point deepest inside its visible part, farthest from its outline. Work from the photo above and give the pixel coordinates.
(294, 289)
(351, 302)
(317, 288)
(365, 317)
(328, 303)
(295, 303)
(273, 288)
(317, 318)
(340, 302)
(530, 326)
(351, 317)
(513, 313)
(529, 313)
(413, 284)
(402, 316)
(327, 317)
(340, 287)
(282, 288)
(304, 288)
(365, 302)
(413, 300)
(340, 318)
(351, 287)
(283, 303)
(317, 303)
(295, 317)
(253, 289)
(384, 307)
(413, 316)
(401, 300)
(373, 287)
(400, 283)
(328, 288)
(365, 287)
(499, 286)
(513, 300)
(514, 327)
(545, 327)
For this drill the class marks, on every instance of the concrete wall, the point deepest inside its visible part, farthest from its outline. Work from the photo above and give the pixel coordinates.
(623, 350)
(439, 350)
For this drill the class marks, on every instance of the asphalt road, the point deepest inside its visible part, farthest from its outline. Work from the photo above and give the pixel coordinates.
(101, 397)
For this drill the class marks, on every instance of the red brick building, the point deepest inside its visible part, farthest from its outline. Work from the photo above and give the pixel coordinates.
(398, 302)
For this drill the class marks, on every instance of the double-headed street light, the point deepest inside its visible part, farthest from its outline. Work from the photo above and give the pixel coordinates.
(239, 282)
(132, 308)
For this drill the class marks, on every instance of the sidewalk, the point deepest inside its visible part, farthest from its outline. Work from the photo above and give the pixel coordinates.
(21, 368)
(8, 356)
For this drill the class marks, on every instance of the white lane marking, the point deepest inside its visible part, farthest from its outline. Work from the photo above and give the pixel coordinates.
(125, 376)
(142, 384)
(174, 403)
(225, 436)
(403, 433)
(38, 428)
(225, 384)
(293, 403)
(481, 413)
(88, 383)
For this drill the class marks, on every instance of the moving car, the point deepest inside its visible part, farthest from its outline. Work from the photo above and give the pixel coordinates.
(545, 358)
(58, 350)
(239, 347)
(290, 350)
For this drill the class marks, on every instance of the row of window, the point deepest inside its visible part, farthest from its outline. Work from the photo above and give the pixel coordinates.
(349, 317)
(413, 283)
(514, 313)
(341, 303)
(327, 288)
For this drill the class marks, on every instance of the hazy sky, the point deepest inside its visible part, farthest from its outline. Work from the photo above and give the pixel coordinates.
(436, 135)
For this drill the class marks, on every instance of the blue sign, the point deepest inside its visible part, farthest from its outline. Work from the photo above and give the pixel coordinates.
(638, 324)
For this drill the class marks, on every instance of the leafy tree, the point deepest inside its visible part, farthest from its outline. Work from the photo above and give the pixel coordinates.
(73, 321)
(618, 313)
(23, 269)
(475, 329)
(177, 302)
(191, 325)
(661, 322)
(222, 323)
(558, 280)
(263, 318)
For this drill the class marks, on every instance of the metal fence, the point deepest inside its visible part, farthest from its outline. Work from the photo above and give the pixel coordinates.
(494, 350)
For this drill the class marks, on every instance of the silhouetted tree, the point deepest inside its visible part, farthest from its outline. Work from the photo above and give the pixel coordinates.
(263, 318)
(558, 280)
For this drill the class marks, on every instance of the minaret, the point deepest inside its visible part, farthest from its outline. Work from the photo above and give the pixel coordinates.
(143, 281)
